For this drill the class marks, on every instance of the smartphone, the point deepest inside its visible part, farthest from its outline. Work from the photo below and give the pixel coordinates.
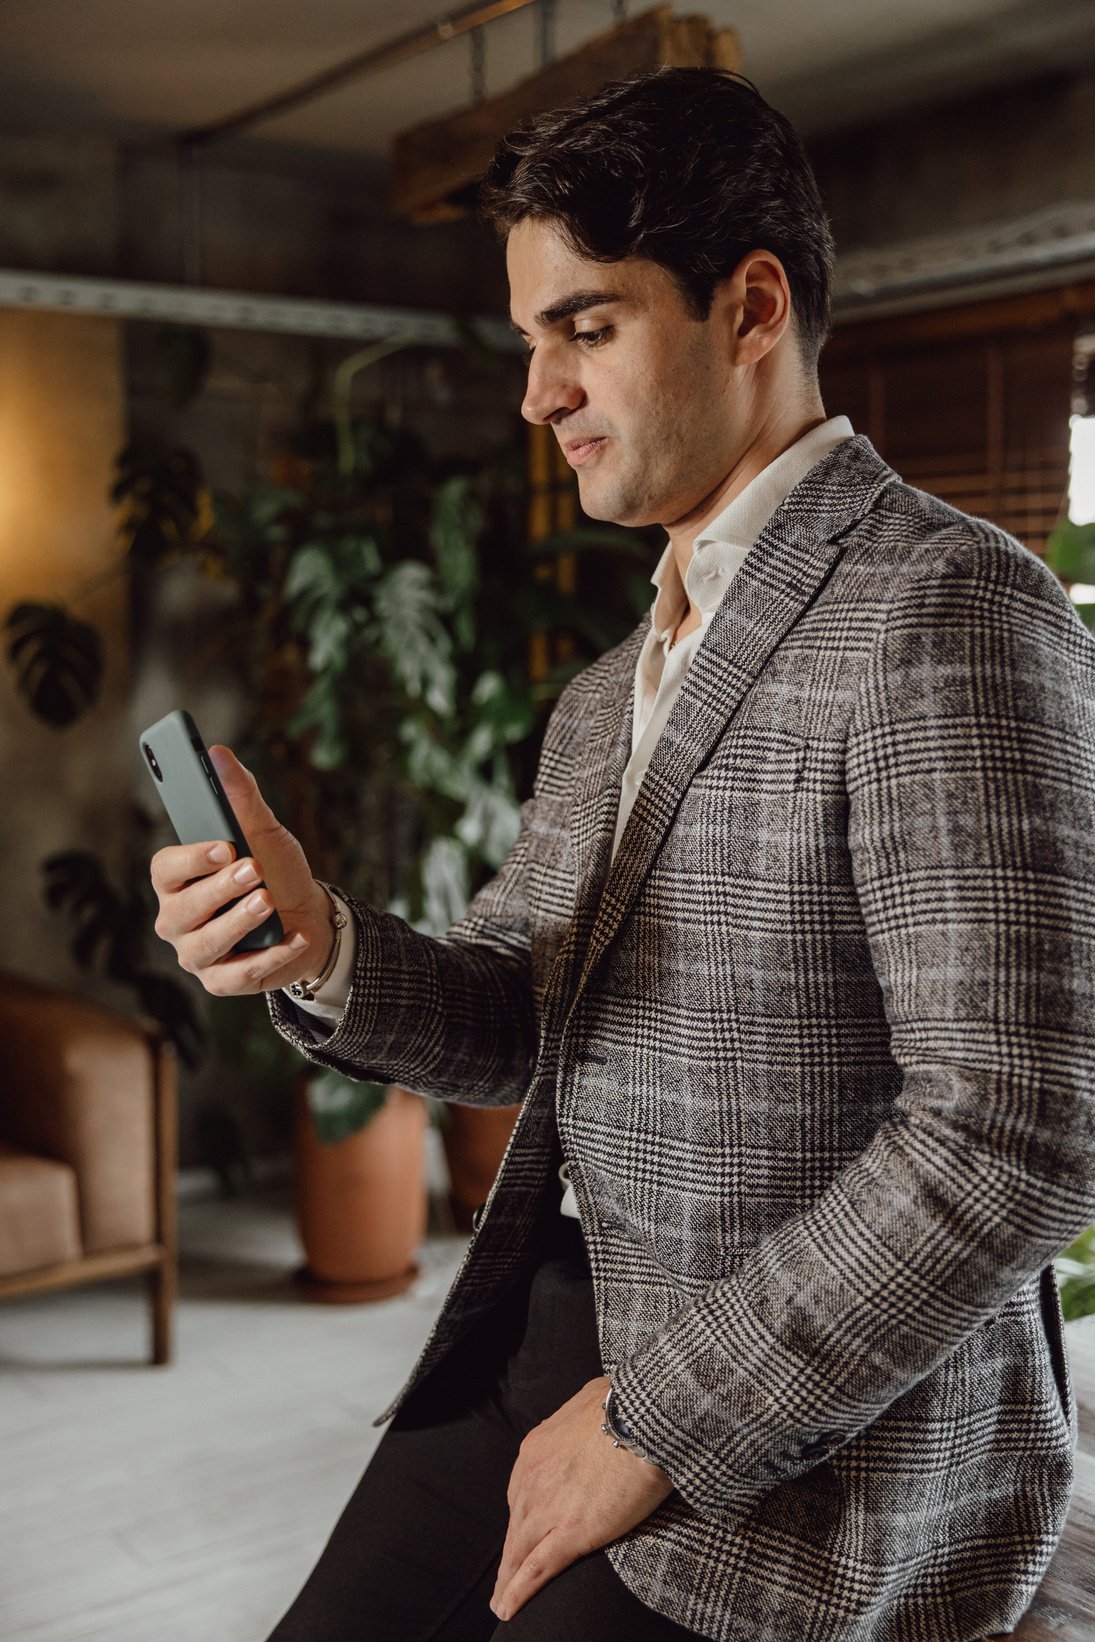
(180, 766)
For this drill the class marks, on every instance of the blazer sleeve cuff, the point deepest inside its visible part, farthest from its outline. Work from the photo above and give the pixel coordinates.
(339, 1045)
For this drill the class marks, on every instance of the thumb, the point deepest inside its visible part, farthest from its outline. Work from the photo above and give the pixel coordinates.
(241, 790)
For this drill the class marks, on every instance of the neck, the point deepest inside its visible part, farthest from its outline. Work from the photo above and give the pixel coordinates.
(763, 443)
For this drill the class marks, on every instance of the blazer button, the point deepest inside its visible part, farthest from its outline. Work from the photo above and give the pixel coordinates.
(477, 1216)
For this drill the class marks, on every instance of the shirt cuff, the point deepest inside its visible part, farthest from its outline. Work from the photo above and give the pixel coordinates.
(329, 1002)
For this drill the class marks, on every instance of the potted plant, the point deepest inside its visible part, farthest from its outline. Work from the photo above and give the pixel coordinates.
(389, 714)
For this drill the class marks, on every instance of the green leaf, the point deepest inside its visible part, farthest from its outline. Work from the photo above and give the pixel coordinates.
(181, 357)
(162, 490)
(413, 637)
(490, 824)
(103, 918)
(341, 1106)
(1075, 1269)
(454, 531)
(444, 885)
(1070, 550)
(320, 715)
(506, 708)
(310, 581)
(431, 766)
(58, 661)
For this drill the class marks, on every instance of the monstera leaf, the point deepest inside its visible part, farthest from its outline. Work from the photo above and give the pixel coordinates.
(340, 1106)
(164, 499)
(109, 934)
(58, 661)
(414, 637)
(108, 926)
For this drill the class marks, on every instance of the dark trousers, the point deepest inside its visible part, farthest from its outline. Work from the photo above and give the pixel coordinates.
(415, 1553)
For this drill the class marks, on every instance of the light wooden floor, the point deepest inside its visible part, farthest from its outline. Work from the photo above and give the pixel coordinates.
(189, 1503)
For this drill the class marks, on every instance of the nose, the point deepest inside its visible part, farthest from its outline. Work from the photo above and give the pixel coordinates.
(552, 389)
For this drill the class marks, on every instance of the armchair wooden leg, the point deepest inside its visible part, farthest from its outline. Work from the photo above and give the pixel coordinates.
(161, 1281)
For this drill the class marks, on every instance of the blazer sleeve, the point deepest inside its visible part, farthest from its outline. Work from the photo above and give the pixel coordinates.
(451, 1016)
(971, 788)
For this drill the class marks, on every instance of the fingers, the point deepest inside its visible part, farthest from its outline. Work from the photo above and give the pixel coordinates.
(186, 909)
(549, 1557)
(200, 947)
(178, 865)
(250, 972)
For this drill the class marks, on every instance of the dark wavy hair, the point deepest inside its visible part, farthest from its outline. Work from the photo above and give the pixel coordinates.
(688, 167)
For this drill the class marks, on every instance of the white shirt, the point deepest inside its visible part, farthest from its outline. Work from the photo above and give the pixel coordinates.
(718, 553)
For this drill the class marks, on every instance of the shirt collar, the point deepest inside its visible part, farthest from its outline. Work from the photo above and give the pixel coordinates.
(721, 547)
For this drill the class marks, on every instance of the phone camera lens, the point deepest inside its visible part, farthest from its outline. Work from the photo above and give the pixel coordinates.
(151, 756)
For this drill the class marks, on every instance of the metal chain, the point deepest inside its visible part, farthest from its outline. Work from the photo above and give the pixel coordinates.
(478, 38)
(545, 12)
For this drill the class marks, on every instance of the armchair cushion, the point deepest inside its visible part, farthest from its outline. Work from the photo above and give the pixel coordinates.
(39, 1212)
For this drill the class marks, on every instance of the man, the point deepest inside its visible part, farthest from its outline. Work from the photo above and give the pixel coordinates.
(789, 963)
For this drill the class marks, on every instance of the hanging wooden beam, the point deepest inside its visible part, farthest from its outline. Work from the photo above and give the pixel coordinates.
(436, 166)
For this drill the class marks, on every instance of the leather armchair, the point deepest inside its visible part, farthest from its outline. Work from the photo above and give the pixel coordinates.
(88, 1143)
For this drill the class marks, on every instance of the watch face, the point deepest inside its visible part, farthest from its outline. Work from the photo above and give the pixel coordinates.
(612, 1414)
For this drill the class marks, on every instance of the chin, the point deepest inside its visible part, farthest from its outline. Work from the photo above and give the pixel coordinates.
(615, 509)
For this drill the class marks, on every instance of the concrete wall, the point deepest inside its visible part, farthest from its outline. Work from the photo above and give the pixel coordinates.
(62, 417)
(988, 159)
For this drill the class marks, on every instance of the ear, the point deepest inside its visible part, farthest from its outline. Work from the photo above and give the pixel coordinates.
(761, 299)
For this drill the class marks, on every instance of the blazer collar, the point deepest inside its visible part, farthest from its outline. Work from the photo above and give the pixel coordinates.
(782, 572)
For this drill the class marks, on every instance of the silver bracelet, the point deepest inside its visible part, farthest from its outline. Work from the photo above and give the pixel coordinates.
(305, 991)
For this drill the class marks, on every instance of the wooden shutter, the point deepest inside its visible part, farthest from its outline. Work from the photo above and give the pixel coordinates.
(971, 404)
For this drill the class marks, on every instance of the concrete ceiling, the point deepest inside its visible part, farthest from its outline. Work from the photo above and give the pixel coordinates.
(146, 69)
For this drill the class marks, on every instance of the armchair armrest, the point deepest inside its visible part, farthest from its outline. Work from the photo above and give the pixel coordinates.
(95, 1089)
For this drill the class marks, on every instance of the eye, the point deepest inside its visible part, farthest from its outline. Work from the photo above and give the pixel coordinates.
(591, 339)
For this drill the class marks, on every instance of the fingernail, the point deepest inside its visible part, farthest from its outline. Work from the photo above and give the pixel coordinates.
(220, 853)
(297, 941)
(246, 874)
(257, 903)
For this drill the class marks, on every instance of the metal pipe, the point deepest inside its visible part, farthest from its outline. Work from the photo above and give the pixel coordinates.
(243, 311)
(397, 50)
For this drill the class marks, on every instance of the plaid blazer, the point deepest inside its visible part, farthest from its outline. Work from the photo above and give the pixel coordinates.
(820, 1049)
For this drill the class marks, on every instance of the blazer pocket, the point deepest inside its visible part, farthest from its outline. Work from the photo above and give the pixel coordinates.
(742, 804)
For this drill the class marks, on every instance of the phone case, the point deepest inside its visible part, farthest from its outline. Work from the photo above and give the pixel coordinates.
(195, 803)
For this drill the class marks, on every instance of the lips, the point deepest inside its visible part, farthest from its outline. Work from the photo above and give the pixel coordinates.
(579, 450)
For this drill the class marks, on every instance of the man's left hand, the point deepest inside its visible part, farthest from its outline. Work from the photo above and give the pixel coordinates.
(570, 1492)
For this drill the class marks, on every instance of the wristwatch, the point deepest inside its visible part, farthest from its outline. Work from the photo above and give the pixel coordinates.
(615, 1426)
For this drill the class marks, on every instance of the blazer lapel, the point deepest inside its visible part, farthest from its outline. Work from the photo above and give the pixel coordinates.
(781, 574)
(598, 780)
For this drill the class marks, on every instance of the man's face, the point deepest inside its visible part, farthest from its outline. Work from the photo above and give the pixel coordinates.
(642, 397)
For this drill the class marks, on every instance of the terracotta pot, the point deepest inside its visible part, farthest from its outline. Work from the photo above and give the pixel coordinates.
(361, 1202)
(475, 1140)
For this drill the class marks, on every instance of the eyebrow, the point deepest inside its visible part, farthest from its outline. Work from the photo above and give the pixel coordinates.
(577, 303)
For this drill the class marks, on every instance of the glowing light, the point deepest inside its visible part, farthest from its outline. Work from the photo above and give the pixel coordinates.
(1081, 470)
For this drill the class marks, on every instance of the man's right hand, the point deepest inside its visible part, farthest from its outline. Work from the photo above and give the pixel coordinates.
(192, 885)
